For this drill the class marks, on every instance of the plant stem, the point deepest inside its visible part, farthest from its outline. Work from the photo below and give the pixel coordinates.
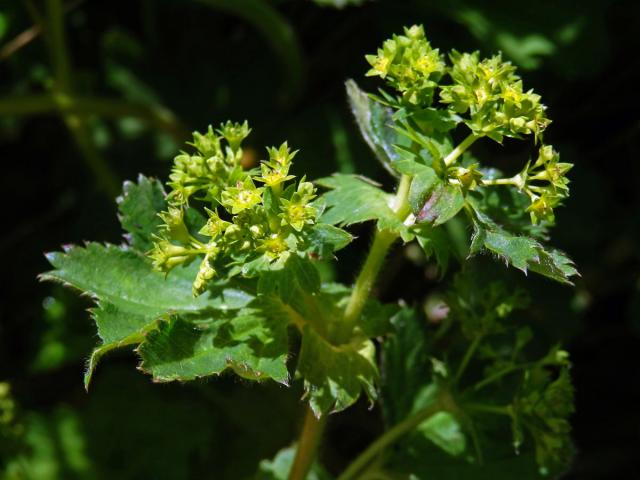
(154, 115)
(389, 437)
(498, 375)
(105, 177)
(382, 241)
(467, 357)
(480, 407)
(460, 149)
(307, 445)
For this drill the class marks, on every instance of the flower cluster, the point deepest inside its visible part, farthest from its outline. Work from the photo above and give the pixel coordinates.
(493, 95)
(546, 183)
(409, 64)
(244, 222)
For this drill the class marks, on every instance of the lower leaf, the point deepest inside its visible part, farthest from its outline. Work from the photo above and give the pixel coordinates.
(335, 376)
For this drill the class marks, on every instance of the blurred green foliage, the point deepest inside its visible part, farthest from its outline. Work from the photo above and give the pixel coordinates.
(113, 91)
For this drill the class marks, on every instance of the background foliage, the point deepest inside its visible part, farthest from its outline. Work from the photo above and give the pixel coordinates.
(137, 75)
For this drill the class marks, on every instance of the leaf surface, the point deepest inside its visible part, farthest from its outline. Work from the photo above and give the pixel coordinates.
(352, 199)
(335, 376)
(138, 208)
(253, 346)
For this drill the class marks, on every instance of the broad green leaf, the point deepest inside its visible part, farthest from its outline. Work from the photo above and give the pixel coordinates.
(352, 199)
(324, 239)
(130, 295)
(253, 346)
(422, 184)
(444, 430)
(375, 123)
(335, 376)
(440, 205)
(296, 277)
(280, 466)
(139, 206)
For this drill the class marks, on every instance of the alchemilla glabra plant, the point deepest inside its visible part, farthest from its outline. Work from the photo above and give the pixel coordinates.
(219, 271)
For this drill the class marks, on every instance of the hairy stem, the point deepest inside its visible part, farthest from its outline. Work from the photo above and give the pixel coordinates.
(389, 437)
(307, 445)
(460, 149)
(382, 241)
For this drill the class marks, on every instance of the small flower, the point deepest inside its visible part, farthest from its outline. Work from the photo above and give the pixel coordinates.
(215, 226)
(234, 133)
(241, 197)
(207, 144)
(166, 256)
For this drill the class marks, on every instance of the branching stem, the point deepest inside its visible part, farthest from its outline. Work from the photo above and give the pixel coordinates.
(388, 438)
(382, 241)
(460, 149)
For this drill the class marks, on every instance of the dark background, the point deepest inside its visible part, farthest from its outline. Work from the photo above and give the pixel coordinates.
(281, 65)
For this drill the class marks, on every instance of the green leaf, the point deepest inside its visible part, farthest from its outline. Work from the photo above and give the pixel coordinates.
(405, 366)
(354, 199)
(324, 239)
(280, 466)
(139, 206)
(130, 295)
(444, 430)
(423, 182)
(335, 376)
(374, 121)
(543, 408)
(525, 254)
(252, 345)
(296, 277)
(435, 243)
(440, 205)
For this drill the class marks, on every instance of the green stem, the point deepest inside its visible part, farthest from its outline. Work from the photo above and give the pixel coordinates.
(389, 437)
(155, 116)
(56, 41)
(57, 46)
(382, 241)
(515, 180)
(307, 445)
(460, 149)
(481, 407)
(498, 375)
(467, 357)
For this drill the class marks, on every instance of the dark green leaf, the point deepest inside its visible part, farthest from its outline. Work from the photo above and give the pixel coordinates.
(405, 366)
(251, 344)
(440, 204)
(335, 376)
(139, 206)
(324, 239)
(353, 199)
(374, 121)
(423, 183)
(129, 293)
